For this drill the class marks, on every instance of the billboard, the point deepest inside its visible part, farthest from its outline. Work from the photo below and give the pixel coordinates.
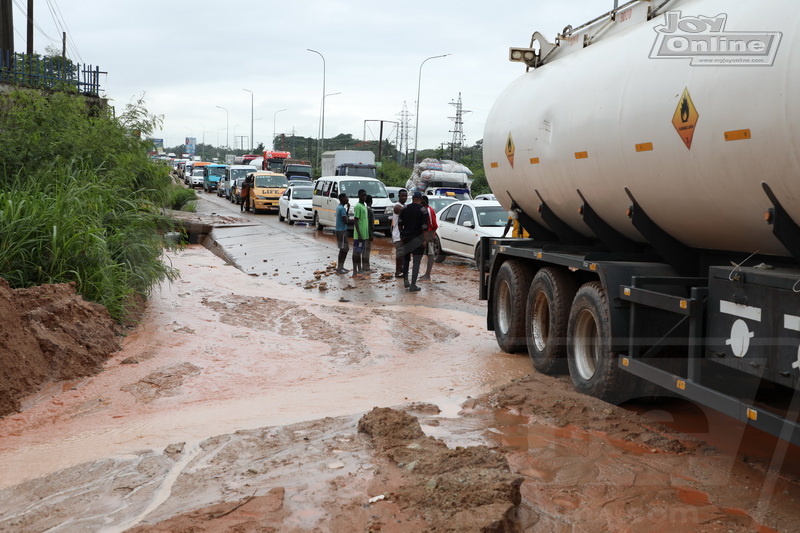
(191, 145)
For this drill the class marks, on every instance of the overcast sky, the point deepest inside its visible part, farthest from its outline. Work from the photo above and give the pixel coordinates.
(190, 56)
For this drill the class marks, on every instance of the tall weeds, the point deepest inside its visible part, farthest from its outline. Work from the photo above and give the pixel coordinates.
(79, 201)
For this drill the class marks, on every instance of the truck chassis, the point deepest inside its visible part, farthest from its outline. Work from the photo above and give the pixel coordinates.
(626, 326)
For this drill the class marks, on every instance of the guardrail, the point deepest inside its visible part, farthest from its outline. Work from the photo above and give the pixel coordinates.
(49, 73)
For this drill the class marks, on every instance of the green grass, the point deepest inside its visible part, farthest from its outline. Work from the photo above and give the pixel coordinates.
(80, 203)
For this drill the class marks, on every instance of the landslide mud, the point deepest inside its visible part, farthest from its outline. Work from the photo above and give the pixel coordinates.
(235, 406)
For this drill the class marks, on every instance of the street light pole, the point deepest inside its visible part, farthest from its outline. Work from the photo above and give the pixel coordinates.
(252, 142)
(419, 85)
(274, 132)
(227, 123)
(322, 116)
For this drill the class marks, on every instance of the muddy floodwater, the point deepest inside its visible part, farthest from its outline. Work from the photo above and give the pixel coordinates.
(221, 350)
(260, 342)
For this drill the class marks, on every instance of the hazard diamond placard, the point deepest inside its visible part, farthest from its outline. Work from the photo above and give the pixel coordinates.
(685, 118)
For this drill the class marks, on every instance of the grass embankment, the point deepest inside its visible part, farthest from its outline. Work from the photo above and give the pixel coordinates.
(80, 200)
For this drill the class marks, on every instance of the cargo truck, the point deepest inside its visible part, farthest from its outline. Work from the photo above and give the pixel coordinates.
(653, 155)
(349, 163)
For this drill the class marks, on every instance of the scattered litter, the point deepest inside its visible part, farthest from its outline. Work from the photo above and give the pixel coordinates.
(377, 498)
(343, 300)
(336, 465)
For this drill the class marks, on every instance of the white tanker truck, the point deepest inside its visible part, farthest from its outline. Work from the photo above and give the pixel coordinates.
(653, 156)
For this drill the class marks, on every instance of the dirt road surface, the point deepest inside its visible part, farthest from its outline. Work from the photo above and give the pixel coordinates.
(245, 399)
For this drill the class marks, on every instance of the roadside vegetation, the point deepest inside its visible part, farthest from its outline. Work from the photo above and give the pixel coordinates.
(80, 200)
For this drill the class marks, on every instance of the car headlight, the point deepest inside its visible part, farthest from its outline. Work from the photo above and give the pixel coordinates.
(294, 205)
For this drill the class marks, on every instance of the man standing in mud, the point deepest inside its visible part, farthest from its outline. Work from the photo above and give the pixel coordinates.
(402, 197)
(245, 193)
(371, 236)
(413, 222)
(341, 233)
(360, 232)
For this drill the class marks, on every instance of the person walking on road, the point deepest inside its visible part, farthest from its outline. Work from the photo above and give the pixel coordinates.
(402, 198)
(370, 236)
(360, 233)
(413, 222)
(430, 239)
(341, 233)
(245, 193)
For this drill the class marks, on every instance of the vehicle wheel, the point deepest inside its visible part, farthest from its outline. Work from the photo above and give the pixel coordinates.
(316, 222)
(439, 255)
(593, 367)
(546, 317)
(291, 222)
(510, 294)
(280, 217)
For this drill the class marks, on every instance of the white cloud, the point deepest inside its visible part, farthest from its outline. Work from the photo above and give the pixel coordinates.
(189, 57)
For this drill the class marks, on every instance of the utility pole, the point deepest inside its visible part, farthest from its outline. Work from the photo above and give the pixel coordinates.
(30, 30)
(6, 30)
(380, 135)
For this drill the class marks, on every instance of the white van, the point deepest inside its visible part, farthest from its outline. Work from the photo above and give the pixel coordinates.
(326, 198)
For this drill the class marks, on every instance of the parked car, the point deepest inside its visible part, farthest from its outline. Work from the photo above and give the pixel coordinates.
(295, 205)
(233, 173)
(394, 192)
(267, 190)
(212, 175)
(440, 202)
(463, 223)
(491, 197)
(236, 186)
(326, 198)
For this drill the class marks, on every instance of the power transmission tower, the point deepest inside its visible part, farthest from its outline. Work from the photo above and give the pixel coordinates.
(402, 141)
(457, 144)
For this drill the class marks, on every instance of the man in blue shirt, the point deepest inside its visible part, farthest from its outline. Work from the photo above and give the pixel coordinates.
(341, 233)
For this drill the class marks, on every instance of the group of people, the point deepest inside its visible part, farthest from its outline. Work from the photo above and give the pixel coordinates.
(414, 228)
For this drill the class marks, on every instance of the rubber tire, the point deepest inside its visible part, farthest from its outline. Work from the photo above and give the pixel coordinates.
(281, 218)
(439, 255)
(291, 222)
(509, 296)
(593, 367)
(316, 222)
(546, 319)
(477, 254)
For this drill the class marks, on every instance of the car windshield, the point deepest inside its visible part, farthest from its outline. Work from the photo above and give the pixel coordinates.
(237, 173)
(302, 194)
(197, 172)
(373, 188)
(493, 216)
(439, 203)
(272, 181)
(216, 171)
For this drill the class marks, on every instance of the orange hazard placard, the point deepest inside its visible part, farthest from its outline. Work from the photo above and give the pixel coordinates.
(510, 150)
(685, 118)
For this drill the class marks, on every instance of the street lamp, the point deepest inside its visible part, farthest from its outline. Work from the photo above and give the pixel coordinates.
(419, 85)
(227, 122)
(323, 103)
(322, 116)
(274, 117)
(252, 142)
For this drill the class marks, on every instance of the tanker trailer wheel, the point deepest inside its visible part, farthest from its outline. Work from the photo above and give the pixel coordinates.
(510, 292)
(593, 367)
(546, 317)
